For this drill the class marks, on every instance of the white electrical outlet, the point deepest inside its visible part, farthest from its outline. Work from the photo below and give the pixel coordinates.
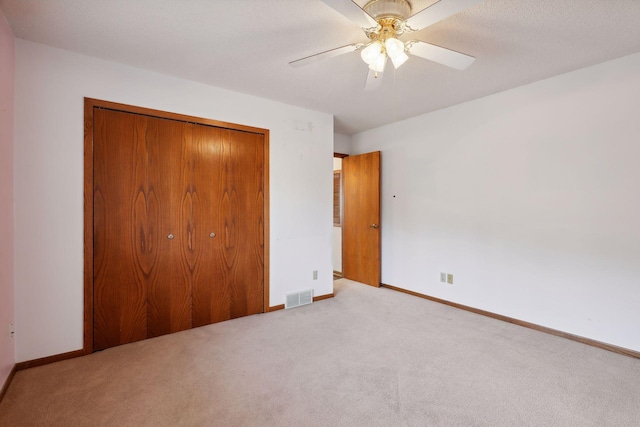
(315, 274)
(450, 279)
(12, 331)
(443, 277)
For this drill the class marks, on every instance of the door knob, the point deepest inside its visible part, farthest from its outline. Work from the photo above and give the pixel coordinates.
(212, 235)
(170, 236)
(374, 225)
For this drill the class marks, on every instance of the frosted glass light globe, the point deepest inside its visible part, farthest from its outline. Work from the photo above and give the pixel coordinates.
(399, 60)
(371, 52)
(394, 47)
(378, 64)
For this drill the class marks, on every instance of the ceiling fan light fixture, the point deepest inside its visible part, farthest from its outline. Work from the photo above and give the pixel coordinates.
(371, 52)
(398, 60)
(379, 63)
(383, 21)
(394, 47)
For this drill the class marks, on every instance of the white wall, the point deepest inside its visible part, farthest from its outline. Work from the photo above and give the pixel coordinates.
(341, 143)
(530, 198)
(7, 62)
(49, 91)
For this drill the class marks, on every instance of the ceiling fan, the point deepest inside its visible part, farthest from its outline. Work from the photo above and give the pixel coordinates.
(383, 21)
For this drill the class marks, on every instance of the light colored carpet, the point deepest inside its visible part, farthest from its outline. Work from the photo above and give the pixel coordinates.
(368, 357)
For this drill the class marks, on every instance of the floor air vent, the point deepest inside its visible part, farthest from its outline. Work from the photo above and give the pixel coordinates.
(299, 298)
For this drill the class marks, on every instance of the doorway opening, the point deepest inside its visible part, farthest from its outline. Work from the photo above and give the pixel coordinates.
(338, 209)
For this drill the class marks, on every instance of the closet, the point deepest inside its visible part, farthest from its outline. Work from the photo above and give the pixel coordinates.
(178, 224)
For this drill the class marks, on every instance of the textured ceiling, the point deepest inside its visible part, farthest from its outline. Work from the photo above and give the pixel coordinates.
(246, 45)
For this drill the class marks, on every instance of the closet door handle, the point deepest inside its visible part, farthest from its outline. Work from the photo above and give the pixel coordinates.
(170, 236)
(212, 235)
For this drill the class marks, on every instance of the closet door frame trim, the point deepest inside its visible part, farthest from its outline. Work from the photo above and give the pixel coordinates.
(89, 105)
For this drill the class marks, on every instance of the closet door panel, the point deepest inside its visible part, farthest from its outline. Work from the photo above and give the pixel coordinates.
(228, 272)
(211, 295)
(169, 284)
(120, 228)
(244, 221)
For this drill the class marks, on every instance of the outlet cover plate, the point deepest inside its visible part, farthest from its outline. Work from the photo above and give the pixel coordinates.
(450, 279)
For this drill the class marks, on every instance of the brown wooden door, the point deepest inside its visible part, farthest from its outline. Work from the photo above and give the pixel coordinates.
(361, 227)
(211, 299)
(121, 230)
(244, 221)
(169, 214)
(142, 285)
(228, 204)
(178, 226)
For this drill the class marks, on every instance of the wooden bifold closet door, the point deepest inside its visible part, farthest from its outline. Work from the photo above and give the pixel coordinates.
(178, 217)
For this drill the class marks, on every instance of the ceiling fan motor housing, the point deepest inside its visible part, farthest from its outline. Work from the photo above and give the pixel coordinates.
(379, 9)
(390, 15)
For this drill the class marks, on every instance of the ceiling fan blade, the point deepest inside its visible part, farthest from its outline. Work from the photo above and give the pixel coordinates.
(324, 55)
(438, 11)
(438, 54)
(374, 81)
(352, 11)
